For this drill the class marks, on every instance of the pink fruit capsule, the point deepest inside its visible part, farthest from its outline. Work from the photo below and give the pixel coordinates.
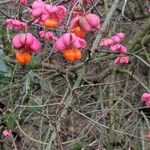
(93, 20)
(122, 60)
(35, 46)
(79, 43)
(59, 45)
(16, 42)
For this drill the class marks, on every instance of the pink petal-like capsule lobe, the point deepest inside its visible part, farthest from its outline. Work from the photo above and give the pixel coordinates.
(61, 11)
(16, 42)
(15, 24)
(74, 22)
(123, 49)
(68, 38)
(36, 12)
(121, 60)
(120, 35)
(48, 8)
(116, 39)
(37, 8)
(106, 42)
(93, 20)
(8, 20)
(145, 97)
(148, 135)
(9, 23)
(7, 133)
(79, 43)
(115, 47)
(29, 39)
(47, 35)
(37, 4)
(148, 103)
(44, 17)
(26, 40)
(51, 36)
(101, 43)
(51, 9)
(84, 25)
(22, 38)
(59, 45)
(42, 34)
(24, 2)
(109, 42)
(35, 46)
(117, 60)
(124, 60)
(118, 48)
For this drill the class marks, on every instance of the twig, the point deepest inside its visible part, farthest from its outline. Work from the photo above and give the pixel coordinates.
(142, 60)
(62, 116)
(142, 141)
(5, 14)
(109, 128)
(29, 137)
(124, 6)
(5, 2)
(94, 5)
(136, 78)
(68, 103)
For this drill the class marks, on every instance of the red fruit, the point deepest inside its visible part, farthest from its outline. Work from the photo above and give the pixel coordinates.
(79, 32)
(69, 55)
(72, 54)
(23, 57)
(50, 23)
(77, 53)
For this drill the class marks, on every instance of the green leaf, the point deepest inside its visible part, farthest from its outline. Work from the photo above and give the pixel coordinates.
(8, 48)
(35, 63)
(4, 80)
(10, 121)
(5, 69)
(76, 146)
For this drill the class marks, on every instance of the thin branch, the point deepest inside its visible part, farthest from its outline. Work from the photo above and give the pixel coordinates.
(29, 137)
(106, 127)
(136, 78)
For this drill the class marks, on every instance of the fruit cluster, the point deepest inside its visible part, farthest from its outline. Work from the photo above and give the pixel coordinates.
(50, 17)
(71, 41)
(113, 44)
